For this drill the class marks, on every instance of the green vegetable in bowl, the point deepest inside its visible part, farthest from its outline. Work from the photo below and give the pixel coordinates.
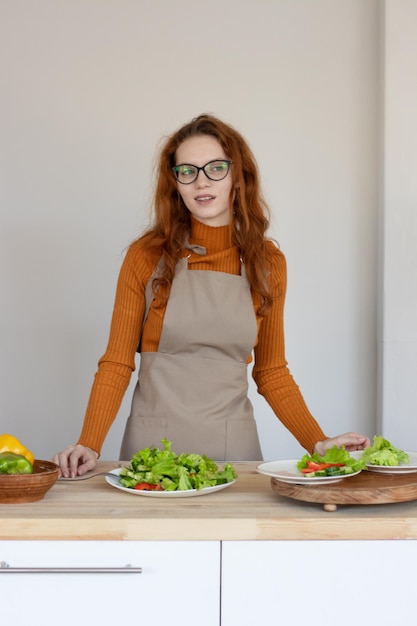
(382, 452)
(155, 469)
(11, 463)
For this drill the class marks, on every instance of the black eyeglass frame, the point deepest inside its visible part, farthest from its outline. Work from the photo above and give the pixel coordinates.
(203, 168)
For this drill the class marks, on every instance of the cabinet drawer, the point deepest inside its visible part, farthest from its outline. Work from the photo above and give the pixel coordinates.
(108, 581)
(321, 582)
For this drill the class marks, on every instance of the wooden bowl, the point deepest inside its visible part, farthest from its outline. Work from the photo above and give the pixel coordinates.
(18, 488)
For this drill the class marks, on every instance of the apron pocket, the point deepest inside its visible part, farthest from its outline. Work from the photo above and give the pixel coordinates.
(142, 432)
(242, 441)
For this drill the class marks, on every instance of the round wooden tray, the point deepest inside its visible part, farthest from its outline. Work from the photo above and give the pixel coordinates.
(365, 488)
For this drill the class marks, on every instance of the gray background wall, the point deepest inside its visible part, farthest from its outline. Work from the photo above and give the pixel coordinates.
(89, 88)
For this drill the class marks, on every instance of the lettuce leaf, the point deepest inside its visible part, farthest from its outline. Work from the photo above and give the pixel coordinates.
(382, 452)
(333, 455)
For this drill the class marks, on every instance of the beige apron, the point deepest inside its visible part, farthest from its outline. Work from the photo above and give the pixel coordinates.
(194, 390)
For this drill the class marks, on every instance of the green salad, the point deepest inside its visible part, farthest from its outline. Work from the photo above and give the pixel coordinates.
(382, 452)
(153, 469)
(335, 462)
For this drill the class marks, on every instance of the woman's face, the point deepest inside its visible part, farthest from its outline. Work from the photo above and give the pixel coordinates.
(207, 200)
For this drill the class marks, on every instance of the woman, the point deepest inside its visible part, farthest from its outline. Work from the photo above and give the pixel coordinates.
(200, 291)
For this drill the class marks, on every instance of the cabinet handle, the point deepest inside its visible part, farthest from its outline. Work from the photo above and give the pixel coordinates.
(127, 569)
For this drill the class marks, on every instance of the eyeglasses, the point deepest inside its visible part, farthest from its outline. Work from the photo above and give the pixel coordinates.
(214, 170)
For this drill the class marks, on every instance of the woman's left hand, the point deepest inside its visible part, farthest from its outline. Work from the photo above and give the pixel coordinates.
(351, 441)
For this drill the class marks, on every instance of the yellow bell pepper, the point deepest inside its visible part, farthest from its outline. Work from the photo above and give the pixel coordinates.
(8, 443)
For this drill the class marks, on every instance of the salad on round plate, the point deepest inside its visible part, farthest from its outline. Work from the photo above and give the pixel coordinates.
(335, 465)
(385, 458)
(157, 472)
(335, 462)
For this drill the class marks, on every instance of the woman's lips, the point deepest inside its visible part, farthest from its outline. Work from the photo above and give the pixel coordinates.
(203, 198)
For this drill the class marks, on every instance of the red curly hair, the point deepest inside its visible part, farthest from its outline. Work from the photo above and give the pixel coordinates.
(249, 213)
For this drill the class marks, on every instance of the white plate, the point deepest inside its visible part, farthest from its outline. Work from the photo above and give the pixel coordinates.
(409, 468)
(165, 494)
(287, 472)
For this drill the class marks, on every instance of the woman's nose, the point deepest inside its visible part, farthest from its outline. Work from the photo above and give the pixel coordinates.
(202, 180)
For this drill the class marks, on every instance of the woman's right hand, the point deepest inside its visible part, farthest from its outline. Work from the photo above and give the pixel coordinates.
(76, 461)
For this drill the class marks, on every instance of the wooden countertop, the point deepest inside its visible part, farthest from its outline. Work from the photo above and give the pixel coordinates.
(247, 510)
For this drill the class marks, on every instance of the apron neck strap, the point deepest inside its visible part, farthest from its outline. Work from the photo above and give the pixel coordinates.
(201, 250)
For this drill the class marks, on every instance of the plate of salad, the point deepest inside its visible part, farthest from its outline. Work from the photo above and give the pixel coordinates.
(384, 458)
(162, 473)
(336, 465)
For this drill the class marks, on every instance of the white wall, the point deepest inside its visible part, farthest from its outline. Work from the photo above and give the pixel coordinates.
(89, 87)
(398, 339)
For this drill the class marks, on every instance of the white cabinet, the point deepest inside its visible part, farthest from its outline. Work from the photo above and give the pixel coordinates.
(75, 582)
(321, 582)
(178, 583)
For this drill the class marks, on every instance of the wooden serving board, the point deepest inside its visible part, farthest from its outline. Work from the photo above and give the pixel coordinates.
(365, 488)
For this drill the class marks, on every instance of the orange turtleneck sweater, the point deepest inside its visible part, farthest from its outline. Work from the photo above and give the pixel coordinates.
(270, 370)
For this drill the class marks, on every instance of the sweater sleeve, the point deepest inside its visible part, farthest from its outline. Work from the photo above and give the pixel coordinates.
(270, 372)
(115, 367)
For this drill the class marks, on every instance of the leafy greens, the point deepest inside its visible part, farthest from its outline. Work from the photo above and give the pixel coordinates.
(333, 455)
(382, 452)
(174, 472)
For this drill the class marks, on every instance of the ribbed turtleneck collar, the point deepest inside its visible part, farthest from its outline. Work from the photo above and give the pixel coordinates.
(213, 238)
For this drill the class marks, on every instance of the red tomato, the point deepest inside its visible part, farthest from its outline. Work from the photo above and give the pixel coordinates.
(144, 487)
